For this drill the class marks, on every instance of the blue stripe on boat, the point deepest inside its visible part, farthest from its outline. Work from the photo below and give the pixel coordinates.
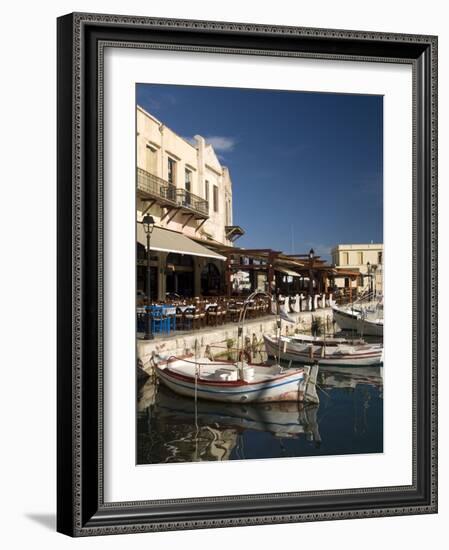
(235, 391)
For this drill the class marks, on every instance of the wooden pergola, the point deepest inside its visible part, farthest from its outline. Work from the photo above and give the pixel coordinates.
(275, 264)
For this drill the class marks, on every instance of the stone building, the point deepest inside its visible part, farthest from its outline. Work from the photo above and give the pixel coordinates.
(183, 185)
(366, 259)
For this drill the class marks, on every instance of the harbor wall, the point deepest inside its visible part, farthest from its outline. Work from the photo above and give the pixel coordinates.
(214, 341)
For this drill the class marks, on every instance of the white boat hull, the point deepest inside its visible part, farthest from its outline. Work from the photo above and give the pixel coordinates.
(298, 352)
(297, 385)
(347, 320)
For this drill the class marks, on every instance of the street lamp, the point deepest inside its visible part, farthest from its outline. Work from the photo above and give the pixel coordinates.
(148, 225)
(311, 279)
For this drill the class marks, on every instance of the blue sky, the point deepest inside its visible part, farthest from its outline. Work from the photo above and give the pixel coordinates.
(306, 167)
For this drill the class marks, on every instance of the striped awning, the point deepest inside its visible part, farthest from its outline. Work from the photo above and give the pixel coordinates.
(165, 240)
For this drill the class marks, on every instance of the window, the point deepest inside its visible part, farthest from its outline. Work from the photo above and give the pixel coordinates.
(151, 160)
(188, 180)
(206, 193)
(215, 198)
(344, 258)
(188, 185)
(379, 258)
(360, 258)
(171, 171)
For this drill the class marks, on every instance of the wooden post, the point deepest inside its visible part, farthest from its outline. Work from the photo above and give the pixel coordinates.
(270, 273)
(228, 271)
(197, 269)
(311, 288)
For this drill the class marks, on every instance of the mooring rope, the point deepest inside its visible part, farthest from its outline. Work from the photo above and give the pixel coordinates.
(197, 430)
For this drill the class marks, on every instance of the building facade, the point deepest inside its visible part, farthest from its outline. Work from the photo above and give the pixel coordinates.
(188, 192)
(366, 259)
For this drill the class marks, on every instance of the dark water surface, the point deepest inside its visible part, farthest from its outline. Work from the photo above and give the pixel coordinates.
(348, 420)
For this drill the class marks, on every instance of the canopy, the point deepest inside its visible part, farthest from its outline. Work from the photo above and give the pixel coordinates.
(165, 240)
(287, 271)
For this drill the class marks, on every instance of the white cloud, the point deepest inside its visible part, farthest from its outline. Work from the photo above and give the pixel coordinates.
(221, 144)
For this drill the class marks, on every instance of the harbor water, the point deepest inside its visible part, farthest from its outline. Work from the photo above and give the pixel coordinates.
(348, 420)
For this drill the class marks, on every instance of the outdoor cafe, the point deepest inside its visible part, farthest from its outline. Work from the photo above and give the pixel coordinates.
(192, 283)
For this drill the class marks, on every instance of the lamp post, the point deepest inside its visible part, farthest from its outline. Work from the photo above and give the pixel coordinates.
(311, 279)
(148, 225)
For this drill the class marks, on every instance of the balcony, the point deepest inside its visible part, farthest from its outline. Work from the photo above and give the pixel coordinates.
(233, 232)
(150, 186)
(153, 188)
(191, 202)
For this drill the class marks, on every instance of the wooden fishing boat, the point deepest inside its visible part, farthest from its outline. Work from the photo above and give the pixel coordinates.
(330, 351)
(359, 320)
(237, 382)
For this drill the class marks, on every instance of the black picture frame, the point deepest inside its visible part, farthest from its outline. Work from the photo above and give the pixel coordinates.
(81, 510)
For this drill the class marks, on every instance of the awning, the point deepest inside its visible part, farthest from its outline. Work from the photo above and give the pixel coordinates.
(165, 240)
(346, 272)
(287, 271)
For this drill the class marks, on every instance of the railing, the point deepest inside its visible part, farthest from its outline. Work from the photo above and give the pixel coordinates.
(193, 202)
(155, 186)
(161, 189)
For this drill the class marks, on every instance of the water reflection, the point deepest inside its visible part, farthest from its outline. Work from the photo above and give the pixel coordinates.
(349, 419)
(350, 377)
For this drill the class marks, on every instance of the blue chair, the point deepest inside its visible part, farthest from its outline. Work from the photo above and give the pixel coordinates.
(171, 318)
(159, 321)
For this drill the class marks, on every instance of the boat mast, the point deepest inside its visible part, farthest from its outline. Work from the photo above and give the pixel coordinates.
(278, 322)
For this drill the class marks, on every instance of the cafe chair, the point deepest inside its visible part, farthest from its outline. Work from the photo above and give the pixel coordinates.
(160, 322)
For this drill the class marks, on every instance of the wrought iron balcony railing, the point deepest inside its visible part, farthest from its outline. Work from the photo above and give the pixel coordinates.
(156, 187)
(168, 194)
(188, 200)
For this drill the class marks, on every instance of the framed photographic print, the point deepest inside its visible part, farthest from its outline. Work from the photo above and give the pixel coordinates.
(247, 293)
